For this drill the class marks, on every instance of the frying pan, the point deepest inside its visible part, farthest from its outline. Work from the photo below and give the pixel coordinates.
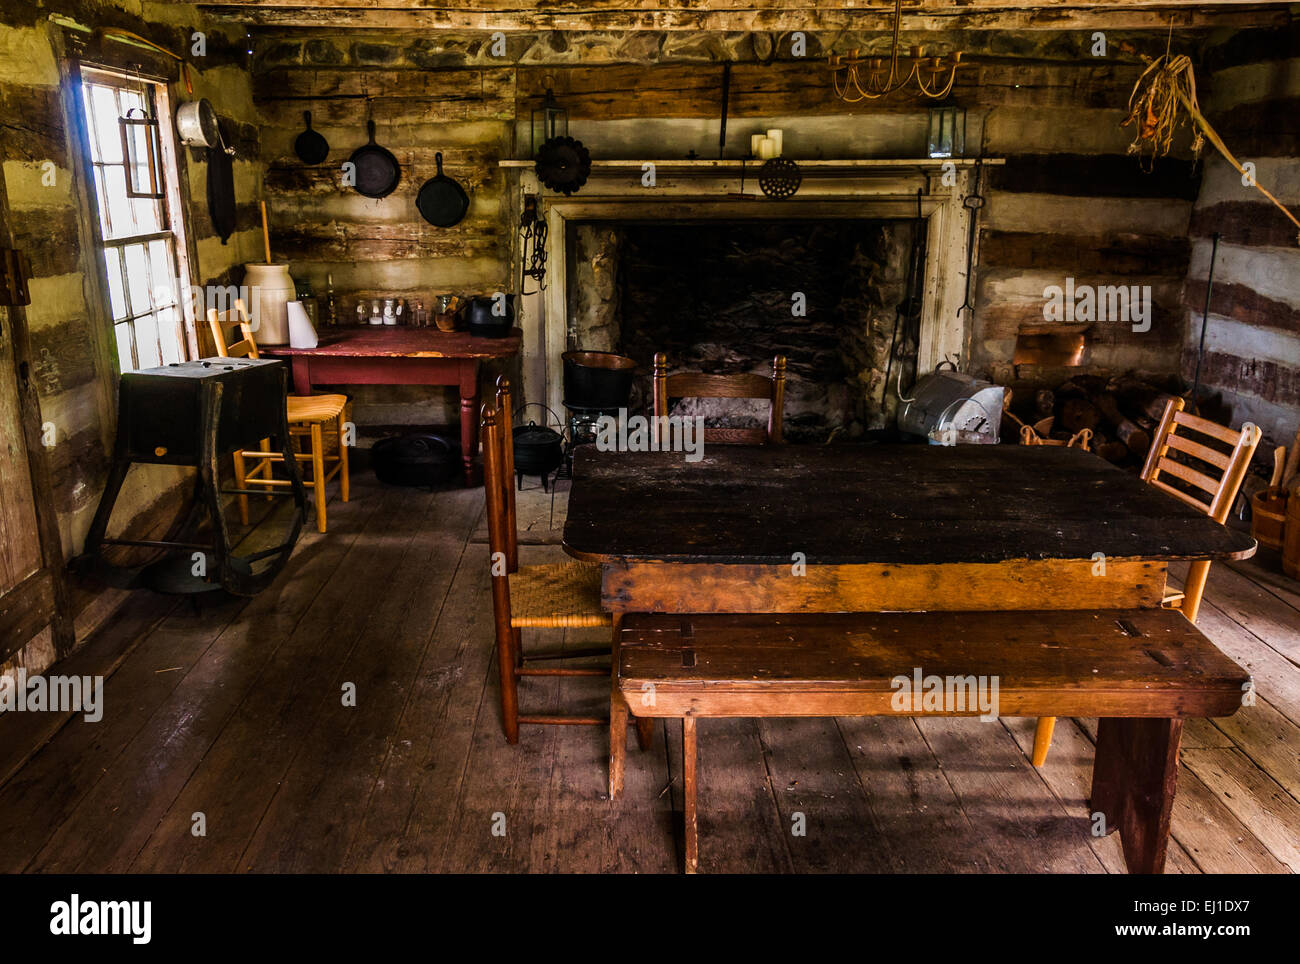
(441, 201)
(377, 171)
(310, 146)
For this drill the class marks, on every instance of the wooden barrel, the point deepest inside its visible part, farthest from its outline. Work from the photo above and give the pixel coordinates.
(1268, 517)
(1291, 540)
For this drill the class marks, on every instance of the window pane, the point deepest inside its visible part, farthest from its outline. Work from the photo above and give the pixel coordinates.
(104, 104)
(124, 360)
(116, 296)
(147, 220)
(137, 278)
(146, 342)
(164, 276)
(169, 335)
(121, 223)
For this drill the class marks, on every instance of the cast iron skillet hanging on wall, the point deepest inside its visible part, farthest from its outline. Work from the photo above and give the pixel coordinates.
(441, 201)
(310, 146)
(377, 171)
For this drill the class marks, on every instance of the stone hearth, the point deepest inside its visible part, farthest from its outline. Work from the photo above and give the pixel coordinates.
(720, 296)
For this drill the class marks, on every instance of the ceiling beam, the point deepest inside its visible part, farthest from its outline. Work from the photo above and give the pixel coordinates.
(748, 15)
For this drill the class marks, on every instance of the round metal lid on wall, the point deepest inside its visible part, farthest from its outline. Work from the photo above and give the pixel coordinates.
(563, 165)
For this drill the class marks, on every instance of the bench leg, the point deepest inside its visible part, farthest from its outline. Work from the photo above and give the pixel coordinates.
(1134, 777)
(689, 780)
(617, 741)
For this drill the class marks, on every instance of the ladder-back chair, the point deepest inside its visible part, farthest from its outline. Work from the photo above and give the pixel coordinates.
(745, 385)
(308, 417)
(562, 595)
(1208, 473)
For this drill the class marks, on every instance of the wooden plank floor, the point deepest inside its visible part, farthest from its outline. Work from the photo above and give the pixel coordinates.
(235, 718)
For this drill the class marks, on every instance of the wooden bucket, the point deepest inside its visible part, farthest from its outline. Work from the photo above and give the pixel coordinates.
(1291, 540)
(1268, 517)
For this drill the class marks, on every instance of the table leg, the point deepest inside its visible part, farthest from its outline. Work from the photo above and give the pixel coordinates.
(301, 375)
(689, 781)
(1134, 776)
(469, 416)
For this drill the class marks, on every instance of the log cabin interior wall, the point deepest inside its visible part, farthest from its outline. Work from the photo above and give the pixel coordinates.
(1252, 344)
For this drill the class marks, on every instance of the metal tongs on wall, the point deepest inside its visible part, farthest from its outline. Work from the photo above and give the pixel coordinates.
(972, 202)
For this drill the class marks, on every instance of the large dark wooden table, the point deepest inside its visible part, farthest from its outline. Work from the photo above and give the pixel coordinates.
(877, 528)
(1027, 537)
(374, 355)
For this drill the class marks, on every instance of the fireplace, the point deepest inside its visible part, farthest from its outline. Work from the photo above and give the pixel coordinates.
(727, 295)
(616, 280)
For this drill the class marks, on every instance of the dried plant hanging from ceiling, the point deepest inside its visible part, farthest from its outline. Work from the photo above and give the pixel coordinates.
(1164, 99)
(857, 78)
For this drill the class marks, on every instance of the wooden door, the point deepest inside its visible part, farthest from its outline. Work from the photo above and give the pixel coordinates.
(33, 587)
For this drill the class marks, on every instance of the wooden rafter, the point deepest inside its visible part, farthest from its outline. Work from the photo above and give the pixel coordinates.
(772, 15)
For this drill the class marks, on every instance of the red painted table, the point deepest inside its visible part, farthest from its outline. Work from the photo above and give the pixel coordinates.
(401, 356)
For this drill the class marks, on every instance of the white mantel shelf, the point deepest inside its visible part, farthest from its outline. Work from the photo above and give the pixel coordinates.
(701, 166)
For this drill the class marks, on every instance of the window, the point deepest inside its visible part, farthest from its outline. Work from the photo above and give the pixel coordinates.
(142, 239)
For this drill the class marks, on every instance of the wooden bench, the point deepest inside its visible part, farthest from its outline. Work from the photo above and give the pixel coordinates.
(1142, 671)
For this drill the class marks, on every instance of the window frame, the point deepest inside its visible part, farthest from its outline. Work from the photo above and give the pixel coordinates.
(171, 210)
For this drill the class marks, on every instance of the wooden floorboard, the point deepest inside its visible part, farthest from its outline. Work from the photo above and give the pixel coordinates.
(236, 713)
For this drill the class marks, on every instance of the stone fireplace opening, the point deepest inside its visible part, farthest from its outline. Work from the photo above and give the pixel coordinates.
(725, 296)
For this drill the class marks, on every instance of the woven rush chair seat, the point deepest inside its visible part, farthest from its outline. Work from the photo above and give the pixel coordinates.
(312, 418)
(562, 595)
(315, 408)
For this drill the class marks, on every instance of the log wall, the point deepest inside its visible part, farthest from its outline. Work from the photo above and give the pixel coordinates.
(71, 336)
(1252, 343)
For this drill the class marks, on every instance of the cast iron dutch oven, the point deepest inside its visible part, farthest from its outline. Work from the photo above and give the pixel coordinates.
(377, 171)
(419, 460)
(538, 449)
(484, 323)
(441, 201)
(597, 379)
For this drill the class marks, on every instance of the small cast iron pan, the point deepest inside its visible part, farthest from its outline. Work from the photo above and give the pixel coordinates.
(310, 146)
(441, 201)
(377, 171)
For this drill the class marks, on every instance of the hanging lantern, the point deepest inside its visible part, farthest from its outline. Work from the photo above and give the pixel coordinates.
(947, 131)
(548, 121)
(142, 151)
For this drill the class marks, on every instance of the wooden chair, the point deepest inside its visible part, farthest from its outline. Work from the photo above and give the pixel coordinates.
(308, 416)
(1223, 456)
(748, 385)
(561, 595)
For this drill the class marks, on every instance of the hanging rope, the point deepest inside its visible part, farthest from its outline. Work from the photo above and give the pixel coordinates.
(1166, 85)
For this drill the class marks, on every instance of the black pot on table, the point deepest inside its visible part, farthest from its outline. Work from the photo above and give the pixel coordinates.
(484, 323)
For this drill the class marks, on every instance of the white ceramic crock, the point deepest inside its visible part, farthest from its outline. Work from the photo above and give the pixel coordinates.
(270, 289)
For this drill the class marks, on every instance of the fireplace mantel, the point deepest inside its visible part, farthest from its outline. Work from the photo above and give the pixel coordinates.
(818, 166)
(699, 189)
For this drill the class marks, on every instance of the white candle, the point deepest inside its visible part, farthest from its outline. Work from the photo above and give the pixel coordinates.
(775, 135)
(766, 148)
(755, 144)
